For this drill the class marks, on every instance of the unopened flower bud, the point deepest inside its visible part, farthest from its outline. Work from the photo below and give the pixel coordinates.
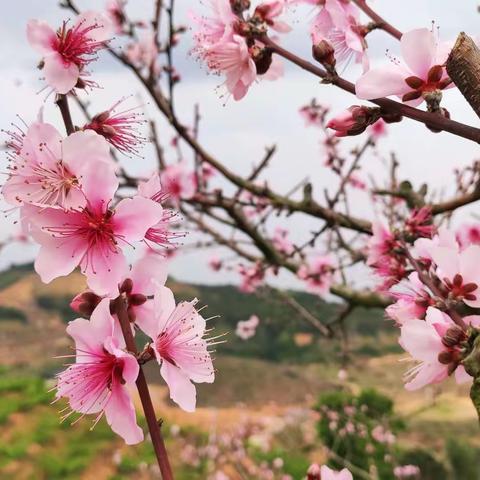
(446, 357)
(262, 58)
(354, 120)
(126, 286)
(313, 472)
(85, 303)
(324, 53)
(239, 6)
(137, 299)
(453, 336)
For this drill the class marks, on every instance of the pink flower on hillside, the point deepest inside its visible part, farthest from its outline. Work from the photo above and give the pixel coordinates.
(468, 234)
(338, 24)
(160, 234)
(179, 182)
(119, 128)
(430, 343)
(50, 170)
(97, 382)
(423, 72)
(407, 471)
(315, 472)
(281, 242)
(69, 50)
(92, 237)
(247, 328)
(180, 347)
(318, 274)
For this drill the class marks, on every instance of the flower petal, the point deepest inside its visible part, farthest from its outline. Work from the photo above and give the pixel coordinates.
(134, 216)
(182, 390)
(60, 75)
(381, 82)
(121, 416)
(419, 49)
(41, 36)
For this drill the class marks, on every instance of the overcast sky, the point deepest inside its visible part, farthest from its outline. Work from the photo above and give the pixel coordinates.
(235, 132)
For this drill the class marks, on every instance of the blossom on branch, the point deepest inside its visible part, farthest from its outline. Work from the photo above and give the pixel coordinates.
(68, 51)
(318, 274)
(49, 170)
(181, 350)
(98, 380)
(422, 73)
(91, 237)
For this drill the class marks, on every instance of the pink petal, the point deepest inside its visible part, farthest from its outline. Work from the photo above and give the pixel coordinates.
(42, 133)
(104, 269)
(59, 75)
(146, 318)
(381, 82)
(148, 273)
(419, 50)
(102, 321)
(99, 184)
(164, 306)
(57, 256)
(105, 26)
(81, 148)
(420, 340)
(469, 263)
(86, 339)
(327, 473)
(151, 187)
(182, 390)
(134, 216)
(121, 416)
(427, 374)
(447, 260)
(41, 36)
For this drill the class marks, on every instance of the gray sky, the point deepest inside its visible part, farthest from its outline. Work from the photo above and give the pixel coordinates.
(237, 133)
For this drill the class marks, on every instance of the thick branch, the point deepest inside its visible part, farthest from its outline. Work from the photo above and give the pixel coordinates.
(463, 67)
(62, 103)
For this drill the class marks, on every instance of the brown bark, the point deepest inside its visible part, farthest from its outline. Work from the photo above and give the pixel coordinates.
(463, 67)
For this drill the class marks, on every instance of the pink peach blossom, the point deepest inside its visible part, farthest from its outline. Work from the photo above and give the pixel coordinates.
(180, 347)
(50, 170)
(119, 128)
(97, 382)
(338, 24)
(318, 274)
(269, 11)
(91, 237)
(422, 339)
(281, 242)
(178, 182)
(160, 234)
(251, 277)
(115, 10)
(69, 50)
(247, 328)
(423, 70)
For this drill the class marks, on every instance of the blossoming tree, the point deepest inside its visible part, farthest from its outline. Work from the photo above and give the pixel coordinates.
(78, 203)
